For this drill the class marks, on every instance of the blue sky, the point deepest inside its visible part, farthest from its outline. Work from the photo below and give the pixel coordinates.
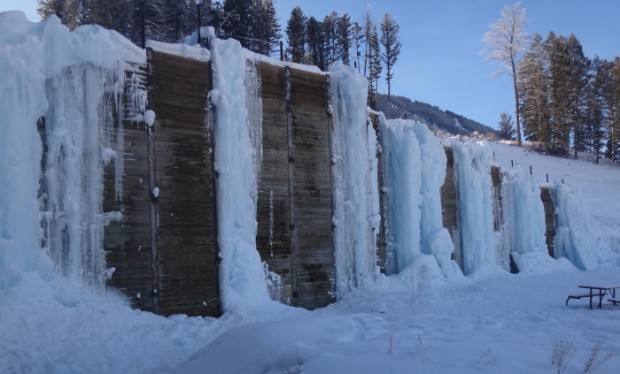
(440, 62)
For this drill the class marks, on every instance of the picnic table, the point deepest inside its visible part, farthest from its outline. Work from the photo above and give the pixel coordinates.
(596, 291)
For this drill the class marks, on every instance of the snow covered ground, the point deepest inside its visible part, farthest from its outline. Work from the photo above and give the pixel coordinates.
(499, 323)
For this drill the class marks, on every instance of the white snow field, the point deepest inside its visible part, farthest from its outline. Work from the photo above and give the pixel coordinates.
(57, 316)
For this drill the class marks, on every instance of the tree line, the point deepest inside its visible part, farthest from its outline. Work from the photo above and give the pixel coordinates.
(253, 23)
(567, 99)
(338, 38)
(563, 99)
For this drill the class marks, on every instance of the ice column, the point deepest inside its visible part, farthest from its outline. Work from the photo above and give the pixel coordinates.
(354, 218)
(75, 128)
(434, 238)
(242, 280)
(576, 236)
(22, 102)
(475, 205)
(403, 160)
(523, 228)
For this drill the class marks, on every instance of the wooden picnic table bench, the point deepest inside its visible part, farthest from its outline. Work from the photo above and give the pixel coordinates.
(596, 291)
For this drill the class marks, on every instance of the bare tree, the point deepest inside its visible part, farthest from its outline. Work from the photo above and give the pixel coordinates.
(506, 42)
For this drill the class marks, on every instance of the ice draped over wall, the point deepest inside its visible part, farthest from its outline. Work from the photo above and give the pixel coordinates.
(54, 218)
(50, 203)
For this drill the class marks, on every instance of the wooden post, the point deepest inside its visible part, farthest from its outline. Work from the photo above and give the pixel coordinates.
(153, 214)
(291, 189)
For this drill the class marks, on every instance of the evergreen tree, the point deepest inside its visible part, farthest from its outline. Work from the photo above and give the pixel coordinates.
(506, 41)
(267, 28)
(559, 92)
(391, 50)
(368, 26)
(375, 67)
(330, 39)
(506, 126)
(343, 38)
(358, 42)
(578, 79)
(595, 105)
(534, 93)
(315, 42)
(243, 14)
(613, 118)
(295, 33)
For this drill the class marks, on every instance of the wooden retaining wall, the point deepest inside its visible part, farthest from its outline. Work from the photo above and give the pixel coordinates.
(295, 208)
(165, 248)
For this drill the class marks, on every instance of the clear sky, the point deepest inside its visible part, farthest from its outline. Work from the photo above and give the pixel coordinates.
(440, 62)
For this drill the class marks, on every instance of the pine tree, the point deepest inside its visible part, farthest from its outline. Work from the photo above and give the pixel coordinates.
(534, 93)
(506, 126)
(240, 25)
(375, 67)
(578, 78)
(599, 78)
(506, 41)
(559, 92)
(368, 26)
(343, 38)
(266, 29)
(613, 123)
(391, 50)
(315, 42)
(358, 42)
(295, 33)
(330, 38)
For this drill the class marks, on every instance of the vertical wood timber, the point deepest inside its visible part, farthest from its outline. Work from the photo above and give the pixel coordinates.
(449, 202)
(381, 178)
(127, 242)
(312, 190)
(496, 178)
(186, 229)
(547, 199)
(273, 235)
(291, 185)
(154, 214)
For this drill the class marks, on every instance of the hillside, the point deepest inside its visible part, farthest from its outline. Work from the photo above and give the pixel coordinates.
(432, 116)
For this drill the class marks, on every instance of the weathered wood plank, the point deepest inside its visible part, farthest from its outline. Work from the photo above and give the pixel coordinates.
(187, 238)
(549, 207)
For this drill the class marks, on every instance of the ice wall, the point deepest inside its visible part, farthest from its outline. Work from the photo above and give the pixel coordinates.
(475, 205)
(523, 227)
(577, 237)
(415, 171)
(61, 75)
(75, 128)
(403, 161)
(355, 216)
(242, 279)
(22, 102)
